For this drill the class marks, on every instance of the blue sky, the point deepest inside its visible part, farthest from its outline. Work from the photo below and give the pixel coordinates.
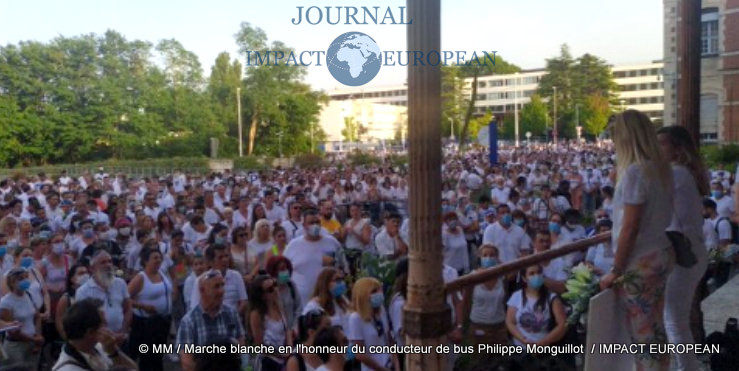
(525, 32)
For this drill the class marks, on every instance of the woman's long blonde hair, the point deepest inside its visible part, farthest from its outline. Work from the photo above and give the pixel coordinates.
(361, 296)
(261, 223)
(635, 141)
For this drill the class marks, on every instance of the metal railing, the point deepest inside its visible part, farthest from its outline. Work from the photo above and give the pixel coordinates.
(479, 277)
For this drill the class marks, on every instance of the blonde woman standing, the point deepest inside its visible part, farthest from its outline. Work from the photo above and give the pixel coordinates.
(368, 326)
(642, 211)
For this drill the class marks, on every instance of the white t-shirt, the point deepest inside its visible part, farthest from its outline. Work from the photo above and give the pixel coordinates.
(112, 298)
(533, 323)
(510, 242)
(396, 318)
(456, 254)
(725, 206)
(307, 260)
(635, 188)
(275, 214)
(340, 318)
(500, 195)
(688, 208)
(22, 310)
(359, 330)
(487, 304)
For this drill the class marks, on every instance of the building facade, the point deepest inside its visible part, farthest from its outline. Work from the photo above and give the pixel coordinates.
(640, 87)
(719, 105)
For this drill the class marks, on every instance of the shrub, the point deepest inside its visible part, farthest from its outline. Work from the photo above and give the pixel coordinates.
(309, 161)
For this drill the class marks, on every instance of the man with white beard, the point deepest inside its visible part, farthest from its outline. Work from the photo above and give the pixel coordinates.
(111, 290)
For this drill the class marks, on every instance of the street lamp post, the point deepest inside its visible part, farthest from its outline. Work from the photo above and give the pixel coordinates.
(554, 118)
(528, 138)
(577, 120)
(238, 113)
(515, 109)
(451, 131)
(279, 141)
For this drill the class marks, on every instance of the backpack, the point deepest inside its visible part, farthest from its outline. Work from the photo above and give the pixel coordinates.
(734, 229)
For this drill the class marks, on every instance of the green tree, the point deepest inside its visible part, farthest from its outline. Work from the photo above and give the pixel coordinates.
(350, 130)
(534, 116)
(594, 116)
(575, 80)
(225, 78)
(474, 70)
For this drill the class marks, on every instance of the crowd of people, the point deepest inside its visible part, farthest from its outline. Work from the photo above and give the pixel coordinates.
(95, 266)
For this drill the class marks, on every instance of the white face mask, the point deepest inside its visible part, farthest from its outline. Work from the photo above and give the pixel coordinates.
(57, 248)
(125, 231)
(314, 230)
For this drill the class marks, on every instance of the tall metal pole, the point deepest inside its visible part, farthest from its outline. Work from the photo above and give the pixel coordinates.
(515, 109)
(451, 131)
(238, 114)
(689, 67)
(554, 119)
(426, 319)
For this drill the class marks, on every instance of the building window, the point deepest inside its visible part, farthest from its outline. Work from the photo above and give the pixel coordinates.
(709, 32)
(709, 109)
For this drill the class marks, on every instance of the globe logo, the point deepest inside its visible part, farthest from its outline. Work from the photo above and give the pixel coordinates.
(353, 59)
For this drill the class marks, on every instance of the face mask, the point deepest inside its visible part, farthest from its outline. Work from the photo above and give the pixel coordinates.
(506, 220)
(88, 233)
(24, 285)
(716, 194)
(453, 224)
(519, 222)
(80, 280)
(125, 231)
(377, 299)
(283, 277)
(182, 210)
(3, 251)
(349, 354)
(26, 262)
(57, 248)
(339, 289)
(554, 227)
(488, 262)
(536, 281)
(571, 226)
(314, 230)
(219, 240)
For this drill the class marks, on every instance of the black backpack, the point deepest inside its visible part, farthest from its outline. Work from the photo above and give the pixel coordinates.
(727, 359)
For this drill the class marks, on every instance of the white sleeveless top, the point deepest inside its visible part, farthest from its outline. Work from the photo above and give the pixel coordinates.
(156, 294)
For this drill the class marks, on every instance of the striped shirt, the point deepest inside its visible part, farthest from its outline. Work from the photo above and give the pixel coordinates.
(199, 328)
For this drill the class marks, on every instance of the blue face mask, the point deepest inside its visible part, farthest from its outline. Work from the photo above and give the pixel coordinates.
(3, 251)
(536, 281)
(716, 194)
(26, 262)
(488, 262)
(349, 354)
(283, 277)
(24, 285)
(339, 289)
(554, 227)
(377, 300)
(88, 233)
(519, 222)
(219, 240)
(506, 220)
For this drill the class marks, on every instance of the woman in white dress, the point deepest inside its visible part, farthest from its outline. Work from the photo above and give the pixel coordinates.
(642, 211)
(691, 184)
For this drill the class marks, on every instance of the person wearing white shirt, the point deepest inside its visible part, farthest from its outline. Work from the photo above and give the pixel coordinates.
(724, 203)
(454, 244)
(571, 231)
(388, 242)
(234, 291)
(274, 212)
(308, 254)
(500, 193)
(509, 238)
(294, 224)
(165, 200)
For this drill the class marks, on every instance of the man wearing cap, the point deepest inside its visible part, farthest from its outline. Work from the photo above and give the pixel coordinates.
(111, 290)
(209, 321)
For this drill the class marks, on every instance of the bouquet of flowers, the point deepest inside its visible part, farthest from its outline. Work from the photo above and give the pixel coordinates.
(581, 286)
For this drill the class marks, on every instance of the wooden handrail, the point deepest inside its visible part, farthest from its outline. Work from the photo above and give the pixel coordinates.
(479, 277)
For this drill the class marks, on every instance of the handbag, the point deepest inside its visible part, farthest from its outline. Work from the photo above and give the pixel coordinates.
(684, 255)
